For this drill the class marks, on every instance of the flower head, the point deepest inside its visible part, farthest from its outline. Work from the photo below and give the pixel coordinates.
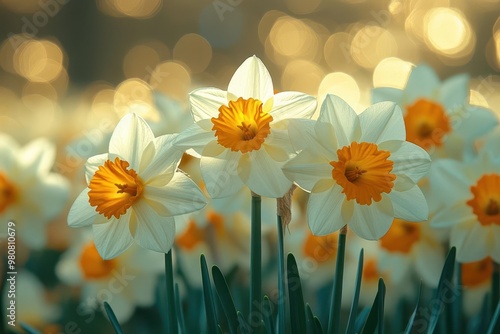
(437, 115)
(134, 191)
(359, 169)
(241, 133)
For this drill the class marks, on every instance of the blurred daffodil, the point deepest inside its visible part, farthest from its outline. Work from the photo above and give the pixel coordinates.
(359, 169)
(471, 191)
(437, 115)
(242, 135)
(134, 191)
(30, 194)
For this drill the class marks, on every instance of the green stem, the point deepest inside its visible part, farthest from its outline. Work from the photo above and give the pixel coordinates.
(495, 286)
(458, 307)
(281, 279)
(255, 262)
(170, 295)
(335, 307)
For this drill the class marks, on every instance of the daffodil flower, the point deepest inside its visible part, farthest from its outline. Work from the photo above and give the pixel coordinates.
(471, 191)
(30, 194)
(437, 115)
(242, 134)
(360, 170)
(134, 191)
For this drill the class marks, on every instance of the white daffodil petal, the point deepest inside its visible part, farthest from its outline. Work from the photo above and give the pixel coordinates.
(293, 105)
(448, 179)
(181, 195)
(454, 92)
(474, 122)
(409, 205)
(303, 135)
(409, 159)
(266, 177)
(221, 175)
(342, 117)
(429, 261)
(382, 94)
(38, 156)
(471, 241)
(279, 137)
(251, 79)
(113, 238)
(195, 137)
(130, 138)
(93, 163)
(456, 214)
(422, 82)
(397, 264)
(153, 232)
(371, 222)
(33, 234)
(382, 122)
(307, 168)
(81, 213)
(51, 195)
(166, 159)
(324, 211)
(205, 102)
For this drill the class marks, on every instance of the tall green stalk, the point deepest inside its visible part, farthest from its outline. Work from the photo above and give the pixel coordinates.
(495, 286)
(170, 295)
(256, 263)
(335, 307)
(281, 279)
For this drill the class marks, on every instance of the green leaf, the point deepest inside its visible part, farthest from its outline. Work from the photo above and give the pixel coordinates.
(112, 318)
(180, 311)
(268, 315)
(411, 322)
(28, 329)
(336, 304)
(256, 259)
(361, 319)
(226, 299)
(296, 299)
(212, 326)
(311, 329)
(355, 299)
(317, 324)
(244, 328)
(495, 321)
(495, 285)
(281, 280)
(376, 312)
(443, 287)
(172, 325)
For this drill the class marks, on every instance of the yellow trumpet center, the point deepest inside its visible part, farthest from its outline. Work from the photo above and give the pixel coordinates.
(477, 273)
(114, 188)
(426, 124)
(92, 264)
(364, 172)
(485, 202)
(320, 248)
(401, 236)
(8, 192)
(242, 126)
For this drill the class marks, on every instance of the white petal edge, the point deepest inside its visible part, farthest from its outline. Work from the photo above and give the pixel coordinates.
(266, 177)
(293, 105)
(409, 159)
(409, 205)
(205, 102)
(371, 222)
(381, 122)
(81, 213)
(113, 237)
(251, 79)
(153, 232)
(307, 168)
(324, 214)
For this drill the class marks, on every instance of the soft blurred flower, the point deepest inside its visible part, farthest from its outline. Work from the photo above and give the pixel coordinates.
(359, 169)
(412, 248)
(134, 191)
(476, 283)
(471, 197)
(242, 135)
(437, 115)
(30, 195)
(125, 282)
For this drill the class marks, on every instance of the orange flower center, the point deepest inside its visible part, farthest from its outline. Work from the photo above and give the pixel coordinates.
(8, 193)
(477, 273)
(401, 236)
(485, 202)
(242, 126)
(191, 237)
(92, 264)
(320, 248)
(364, 172)
(114, 188)
(426, 124)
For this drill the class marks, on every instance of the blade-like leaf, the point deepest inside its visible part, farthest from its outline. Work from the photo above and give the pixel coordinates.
(335, 307)
(172, 325)
(268, 315)
(381, 289)
(212, 326)
(373, 318)
(29, 329)
(297, 309)
(317, 324)
(355, 299)
(112, 318)
(443, 287)
(281, 280)
(256, 259)
(411, 322)
(361, 319)
(495, 321)
(180, 312)
(226, 299)
(311, 328)
(244, 328)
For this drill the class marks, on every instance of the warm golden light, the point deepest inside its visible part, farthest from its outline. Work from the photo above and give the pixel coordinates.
(194, 51)
(342, 85)
(371, 44)
(171, 78)
(392, 72)
(302, 75)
